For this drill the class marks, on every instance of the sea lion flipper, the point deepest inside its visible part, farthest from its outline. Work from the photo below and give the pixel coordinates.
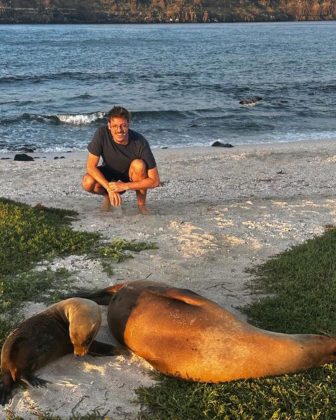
(184, 295)
(102, 296)
(98, 348)
(34, 381)
(5, 390)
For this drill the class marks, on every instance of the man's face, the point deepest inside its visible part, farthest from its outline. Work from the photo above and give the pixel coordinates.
(118, 127)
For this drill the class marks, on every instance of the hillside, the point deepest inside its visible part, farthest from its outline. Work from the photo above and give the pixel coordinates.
(149, 11)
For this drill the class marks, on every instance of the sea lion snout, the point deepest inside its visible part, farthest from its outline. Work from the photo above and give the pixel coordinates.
(82, 342)
(81, 351)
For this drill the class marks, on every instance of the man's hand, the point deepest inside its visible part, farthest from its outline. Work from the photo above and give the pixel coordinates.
(117, 187)
(115, 198)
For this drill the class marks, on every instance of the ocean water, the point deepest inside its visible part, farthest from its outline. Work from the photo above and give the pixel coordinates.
(182, 83)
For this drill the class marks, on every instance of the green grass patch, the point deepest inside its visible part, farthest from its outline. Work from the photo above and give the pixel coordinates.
(301, 283)
(301, 396)
(117, 249)
(299, 296)
(31, 234)
(27, 285)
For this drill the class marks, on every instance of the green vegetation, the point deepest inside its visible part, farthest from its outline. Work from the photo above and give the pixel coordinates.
(116, 251)
(299, 296)
(302, 284)
(32, 235)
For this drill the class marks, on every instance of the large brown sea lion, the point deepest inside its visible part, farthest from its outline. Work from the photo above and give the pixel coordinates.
(183, 334)
(66, 327)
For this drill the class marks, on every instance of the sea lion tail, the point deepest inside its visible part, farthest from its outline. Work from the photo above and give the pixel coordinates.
(102, 296)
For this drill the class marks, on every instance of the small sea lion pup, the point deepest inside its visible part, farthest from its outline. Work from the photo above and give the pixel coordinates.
(66, 327)
(183, 334)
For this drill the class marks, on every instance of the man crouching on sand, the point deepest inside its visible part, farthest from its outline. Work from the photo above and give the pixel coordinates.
(128, 162)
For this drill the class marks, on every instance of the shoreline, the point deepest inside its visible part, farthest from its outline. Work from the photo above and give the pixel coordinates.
(219, 212)
(280, 144)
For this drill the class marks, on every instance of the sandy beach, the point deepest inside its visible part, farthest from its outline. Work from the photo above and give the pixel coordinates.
(218, 212)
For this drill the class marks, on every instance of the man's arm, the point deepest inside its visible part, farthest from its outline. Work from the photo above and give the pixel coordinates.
(92, 170)
(152, 181)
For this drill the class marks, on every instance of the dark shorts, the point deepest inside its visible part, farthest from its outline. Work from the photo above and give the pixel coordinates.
(112, 176)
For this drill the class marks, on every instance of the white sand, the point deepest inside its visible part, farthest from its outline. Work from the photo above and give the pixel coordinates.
(219, 212)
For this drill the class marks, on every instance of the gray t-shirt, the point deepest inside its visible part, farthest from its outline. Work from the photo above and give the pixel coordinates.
(118, 157)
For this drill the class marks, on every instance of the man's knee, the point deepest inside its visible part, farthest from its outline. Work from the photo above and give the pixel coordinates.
(88, 183)
(138, 170)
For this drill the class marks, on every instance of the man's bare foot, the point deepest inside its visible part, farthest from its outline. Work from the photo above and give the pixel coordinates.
(143, 209)
(106, 205)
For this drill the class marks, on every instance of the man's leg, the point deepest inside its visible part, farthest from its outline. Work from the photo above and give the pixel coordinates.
(91, 185)
(138, 172)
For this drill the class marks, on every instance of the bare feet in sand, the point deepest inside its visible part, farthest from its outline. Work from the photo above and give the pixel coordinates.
(106, 205)
(143, 210)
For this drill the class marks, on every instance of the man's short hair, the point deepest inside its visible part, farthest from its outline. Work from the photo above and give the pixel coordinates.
(118, 112)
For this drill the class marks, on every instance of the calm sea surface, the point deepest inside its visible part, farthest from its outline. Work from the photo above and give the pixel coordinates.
(183, 83)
